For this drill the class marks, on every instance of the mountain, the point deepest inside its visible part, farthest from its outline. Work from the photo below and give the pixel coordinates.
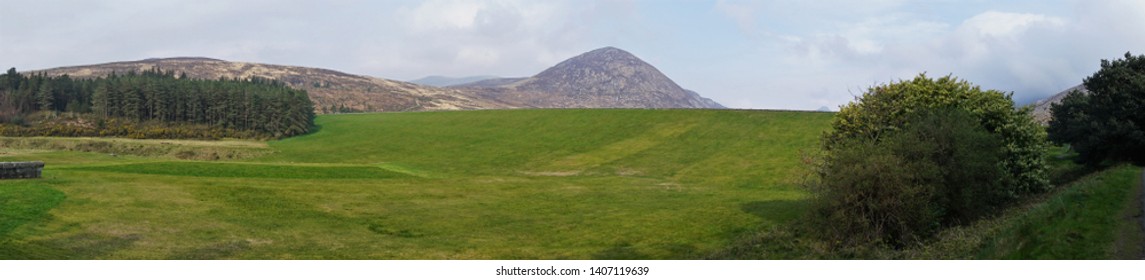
(443, 81)
(331, 91)
(604, 78)
(1042, 107)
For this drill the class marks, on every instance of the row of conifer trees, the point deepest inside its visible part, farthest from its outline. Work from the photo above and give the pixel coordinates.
(247, 107)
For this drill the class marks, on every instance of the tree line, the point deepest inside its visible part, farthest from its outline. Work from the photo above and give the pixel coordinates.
(1106, 126)
(151, 104)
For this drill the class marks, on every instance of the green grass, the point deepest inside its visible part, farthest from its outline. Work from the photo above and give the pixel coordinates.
(1084, 221)
(516, 184)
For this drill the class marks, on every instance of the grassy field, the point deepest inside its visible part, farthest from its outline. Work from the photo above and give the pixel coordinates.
(519, 184)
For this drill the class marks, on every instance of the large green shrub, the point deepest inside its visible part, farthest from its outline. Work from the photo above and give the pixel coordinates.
(939, 169)
(1109, 124)
(885, 109)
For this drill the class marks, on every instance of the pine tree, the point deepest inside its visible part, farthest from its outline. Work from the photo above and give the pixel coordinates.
(45, 98)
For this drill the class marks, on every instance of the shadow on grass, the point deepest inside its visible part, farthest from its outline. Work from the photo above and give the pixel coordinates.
(777, 211)
(621, 251)
(84, 246)
(219, 250)
(627, 251)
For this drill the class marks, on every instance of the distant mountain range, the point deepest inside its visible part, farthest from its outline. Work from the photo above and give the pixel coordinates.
(443, 81)
(603, 78)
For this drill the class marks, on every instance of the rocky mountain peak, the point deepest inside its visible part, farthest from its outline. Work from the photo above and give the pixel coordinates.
(607, 77)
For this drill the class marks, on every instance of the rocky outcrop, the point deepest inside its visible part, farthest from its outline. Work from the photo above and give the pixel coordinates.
(21, 170)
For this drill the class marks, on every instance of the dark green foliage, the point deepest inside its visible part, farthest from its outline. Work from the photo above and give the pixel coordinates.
(1069, 120)
(959, 157)
(152, 104)
(868, 196)
(1109, 124)
(938, 170)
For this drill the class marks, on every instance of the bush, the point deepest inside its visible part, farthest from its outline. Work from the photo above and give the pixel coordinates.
(938, 170)
(884, 109)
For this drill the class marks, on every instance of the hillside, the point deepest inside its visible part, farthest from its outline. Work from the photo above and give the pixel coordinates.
(485, 184)
(331, 91)
(603, 78)
(1042, 107)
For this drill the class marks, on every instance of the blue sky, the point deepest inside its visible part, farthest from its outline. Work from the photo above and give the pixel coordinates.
(744, 54)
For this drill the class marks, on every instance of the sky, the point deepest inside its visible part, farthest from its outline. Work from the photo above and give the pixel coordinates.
(785, 54)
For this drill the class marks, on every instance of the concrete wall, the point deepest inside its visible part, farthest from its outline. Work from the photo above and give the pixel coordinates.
(21, 170)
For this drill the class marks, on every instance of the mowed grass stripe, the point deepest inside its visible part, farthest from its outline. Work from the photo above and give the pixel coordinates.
(239, 170)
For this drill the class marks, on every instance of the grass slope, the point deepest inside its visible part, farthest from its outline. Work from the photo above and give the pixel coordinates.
(518, 184)
(1095, 218)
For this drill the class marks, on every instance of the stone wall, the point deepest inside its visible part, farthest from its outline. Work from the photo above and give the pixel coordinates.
(21, 170)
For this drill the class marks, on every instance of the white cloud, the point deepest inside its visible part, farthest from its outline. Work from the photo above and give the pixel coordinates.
(744, 14)
(1001, 24)
(1028, 53)
(442, 14)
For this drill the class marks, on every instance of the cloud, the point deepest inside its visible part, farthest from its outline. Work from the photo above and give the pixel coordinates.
(515, 38)
(744, 14)
(439, 15)
(1030, 54)
(1001, 24)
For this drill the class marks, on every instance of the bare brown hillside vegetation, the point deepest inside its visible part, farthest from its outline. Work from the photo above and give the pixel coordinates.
(331, 91)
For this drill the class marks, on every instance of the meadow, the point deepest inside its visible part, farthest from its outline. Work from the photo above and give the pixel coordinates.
(496, 184)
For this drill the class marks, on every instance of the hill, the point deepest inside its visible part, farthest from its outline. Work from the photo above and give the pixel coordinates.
(443, 81)
(603, 78)
(331, 91)
(485, 184)
(1042, 107)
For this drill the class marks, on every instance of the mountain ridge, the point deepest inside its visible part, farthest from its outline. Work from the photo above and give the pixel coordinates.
(1042, 107)
(602, 78)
